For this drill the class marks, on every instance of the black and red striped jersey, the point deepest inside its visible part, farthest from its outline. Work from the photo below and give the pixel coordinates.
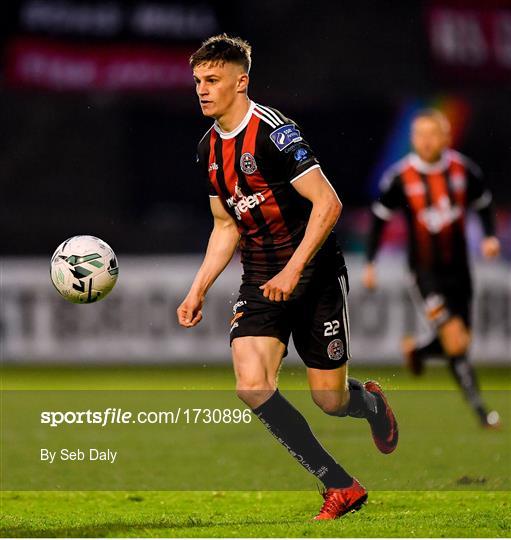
(435, 198)
(252, 169)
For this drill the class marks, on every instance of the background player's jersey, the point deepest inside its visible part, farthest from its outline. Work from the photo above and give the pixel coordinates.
(435, 198)
(252, 170)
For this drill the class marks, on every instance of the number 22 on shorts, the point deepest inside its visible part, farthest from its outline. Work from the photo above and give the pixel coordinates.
(331, 328)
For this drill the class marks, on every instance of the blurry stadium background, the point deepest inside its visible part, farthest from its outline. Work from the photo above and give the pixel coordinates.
(99, 129)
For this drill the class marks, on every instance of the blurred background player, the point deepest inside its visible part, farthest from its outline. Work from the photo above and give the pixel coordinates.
(435, 186)
(268, 193)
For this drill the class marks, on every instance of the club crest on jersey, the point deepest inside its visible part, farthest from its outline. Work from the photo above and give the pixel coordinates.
(248, 163)
(285, 135)
(335, 349)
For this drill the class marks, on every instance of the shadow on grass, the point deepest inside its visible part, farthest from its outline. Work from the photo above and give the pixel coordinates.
(120, 527)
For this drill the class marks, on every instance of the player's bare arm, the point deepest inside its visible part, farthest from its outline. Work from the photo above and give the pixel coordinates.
(326, 209)
(381, 215)
(221, 246)
(369, 278)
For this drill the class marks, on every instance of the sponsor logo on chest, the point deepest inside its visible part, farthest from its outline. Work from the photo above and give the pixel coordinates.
(241, 203)
(441, 215)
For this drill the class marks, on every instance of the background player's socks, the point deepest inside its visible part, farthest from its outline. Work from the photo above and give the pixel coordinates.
(362, 403)
(290, 428)
(465, 376)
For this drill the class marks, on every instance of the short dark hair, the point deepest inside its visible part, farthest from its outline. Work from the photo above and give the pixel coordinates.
(223, 48)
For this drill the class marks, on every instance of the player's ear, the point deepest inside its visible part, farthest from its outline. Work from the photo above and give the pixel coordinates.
(242, 82)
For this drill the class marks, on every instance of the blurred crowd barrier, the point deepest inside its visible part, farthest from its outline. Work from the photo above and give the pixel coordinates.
(137, 322)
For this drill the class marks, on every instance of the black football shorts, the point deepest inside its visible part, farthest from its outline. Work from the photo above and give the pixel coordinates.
(316, 315)
(443, 296)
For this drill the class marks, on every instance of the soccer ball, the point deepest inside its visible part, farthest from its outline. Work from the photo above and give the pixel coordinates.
(84, 269)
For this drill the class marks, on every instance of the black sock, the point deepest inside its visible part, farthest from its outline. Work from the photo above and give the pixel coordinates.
(432, 348)
(290, 428)
(465, 375)
(362, 403)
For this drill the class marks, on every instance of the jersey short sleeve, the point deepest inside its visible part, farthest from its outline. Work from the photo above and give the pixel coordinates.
(478, 195)
(390, 196)
(202, 159)
(289, 150)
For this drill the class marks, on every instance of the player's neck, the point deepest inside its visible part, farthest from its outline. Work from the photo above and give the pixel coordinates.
(428, 167)
(234, 116)
(435, 160)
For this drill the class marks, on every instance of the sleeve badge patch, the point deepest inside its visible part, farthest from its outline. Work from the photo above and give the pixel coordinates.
(285, 135)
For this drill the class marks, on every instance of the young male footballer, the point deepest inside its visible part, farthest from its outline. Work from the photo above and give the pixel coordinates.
(269, 194)
(435, 186)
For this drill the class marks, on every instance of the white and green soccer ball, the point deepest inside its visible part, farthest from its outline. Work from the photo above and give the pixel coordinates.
(84, 269)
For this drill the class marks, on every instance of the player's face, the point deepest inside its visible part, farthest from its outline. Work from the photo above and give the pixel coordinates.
(217, 87)
(429, 138)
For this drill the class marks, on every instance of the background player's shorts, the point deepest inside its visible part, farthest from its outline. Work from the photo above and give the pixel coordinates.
(444, 296)
(316, 316)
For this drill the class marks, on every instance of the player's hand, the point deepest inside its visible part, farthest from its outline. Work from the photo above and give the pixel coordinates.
(189, 313)
(369, 280)
(280, 287)
(490, 247)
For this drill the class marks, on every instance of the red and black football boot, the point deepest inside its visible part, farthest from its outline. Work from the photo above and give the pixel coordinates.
(384, 425)
(340, 501)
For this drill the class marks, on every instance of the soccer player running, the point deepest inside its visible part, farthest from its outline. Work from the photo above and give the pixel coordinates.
(269, 194)
(435, 186)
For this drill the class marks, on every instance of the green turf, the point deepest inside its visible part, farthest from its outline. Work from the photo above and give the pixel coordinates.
(251, 514)
(221, 377)
(479, 512)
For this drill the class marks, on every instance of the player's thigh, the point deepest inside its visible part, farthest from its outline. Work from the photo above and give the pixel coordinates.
(256, 361)
(329, 388)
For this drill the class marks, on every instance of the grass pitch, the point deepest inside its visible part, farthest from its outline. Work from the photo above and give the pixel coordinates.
(483, 511)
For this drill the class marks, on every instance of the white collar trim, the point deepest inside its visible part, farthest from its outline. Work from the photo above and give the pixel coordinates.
(428, 168)
(241, 126)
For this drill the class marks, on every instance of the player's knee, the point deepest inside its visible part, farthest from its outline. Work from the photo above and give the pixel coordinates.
(455, 337)
(254, 392)
(455, 348)
(331, 402)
